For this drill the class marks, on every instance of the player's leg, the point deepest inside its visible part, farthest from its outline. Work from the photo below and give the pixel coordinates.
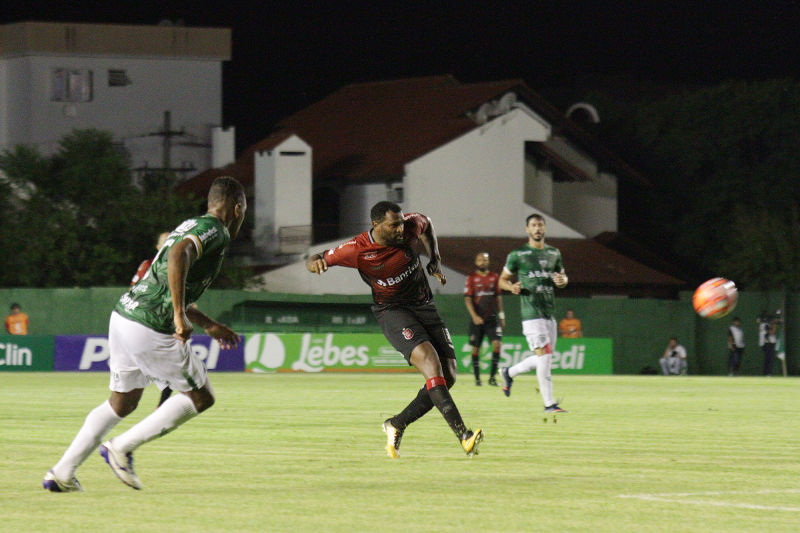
(664, 362)
(475, 340)
(425, 359)
(495, 334)
(167, 360)
(126, 383)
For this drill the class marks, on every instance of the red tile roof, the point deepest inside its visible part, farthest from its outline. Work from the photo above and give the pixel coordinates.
(592, 268)
(369, 131)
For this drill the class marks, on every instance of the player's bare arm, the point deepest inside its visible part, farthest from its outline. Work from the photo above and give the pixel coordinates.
(226, 337)
(181, 255)
(431, 244)
(560, 279)
(500, 313)
(316, 264)
(476, 318)
(506, 284)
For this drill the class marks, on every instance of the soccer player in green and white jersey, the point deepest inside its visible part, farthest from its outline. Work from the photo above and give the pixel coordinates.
(538, 269)
(148, 339)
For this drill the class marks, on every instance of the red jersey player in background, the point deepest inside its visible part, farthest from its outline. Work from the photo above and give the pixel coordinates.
(387, 259)
(485, 306)
(144, 265)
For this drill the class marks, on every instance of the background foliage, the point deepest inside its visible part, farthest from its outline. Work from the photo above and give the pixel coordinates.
(76, 218)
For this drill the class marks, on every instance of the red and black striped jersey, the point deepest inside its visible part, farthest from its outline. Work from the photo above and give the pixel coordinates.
(483, 290)
(394, 273)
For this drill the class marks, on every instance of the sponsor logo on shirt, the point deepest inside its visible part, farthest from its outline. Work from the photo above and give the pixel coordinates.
(371, 255)
(388, 282)
(185, 226)
(207, 235)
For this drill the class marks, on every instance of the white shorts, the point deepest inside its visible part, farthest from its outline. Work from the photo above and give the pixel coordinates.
(140, 356)
(540, 332)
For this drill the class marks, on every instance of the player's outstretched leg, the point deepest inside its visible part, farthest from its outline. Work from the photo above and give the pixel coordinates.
(393, 438)
(507, 381)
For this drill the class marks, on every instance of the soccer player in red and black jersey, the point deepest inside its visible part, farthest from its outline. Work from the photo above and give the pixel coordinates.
(387, 259)
(485, 306)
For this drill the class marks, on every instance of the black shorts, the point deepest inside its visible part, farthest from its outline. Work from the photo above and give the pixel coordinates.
(408, 326)
(490, 328)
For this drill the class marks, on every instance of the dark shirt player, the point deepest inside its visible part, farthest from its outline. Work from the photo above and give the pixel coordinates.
(387, 260)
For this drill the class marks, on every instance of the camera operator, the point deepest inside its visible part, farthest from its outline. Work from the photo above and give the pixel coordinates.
(768, 336)
(673, 362)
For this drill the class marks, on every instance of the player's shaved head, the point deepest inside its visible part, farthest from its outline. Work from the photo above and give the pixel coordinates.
(225, 191)
(379, 210)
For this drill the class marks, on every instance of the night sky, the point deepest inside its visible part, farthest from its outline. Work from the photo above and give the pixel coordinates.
(288, 55)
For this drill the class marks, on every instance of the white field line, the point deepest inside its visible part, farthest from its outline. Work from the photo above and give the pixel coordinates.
(682, 497)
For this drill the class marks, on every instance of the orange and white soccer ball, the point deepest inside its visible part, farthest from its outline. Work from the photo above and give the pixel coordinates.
(715, 298)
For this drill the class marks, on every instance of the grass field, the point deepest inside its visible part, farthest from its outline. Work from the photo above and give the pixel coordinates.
(304, 452)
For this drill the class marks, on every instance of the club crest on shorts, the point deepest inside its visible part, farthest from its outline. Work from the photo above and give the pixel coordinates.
(408, 334)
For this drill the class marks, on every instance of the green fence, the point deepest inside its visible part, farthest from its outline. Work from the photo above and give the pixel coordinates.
(638, 328)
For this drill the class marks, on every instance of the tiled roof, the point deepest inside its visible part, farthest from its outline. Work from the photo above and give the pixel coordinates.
(592, 268)
(369, 131)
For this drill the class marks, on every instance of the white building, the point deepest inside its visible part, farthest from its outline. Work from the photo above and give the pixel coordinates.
(157, 89)
(477, 158)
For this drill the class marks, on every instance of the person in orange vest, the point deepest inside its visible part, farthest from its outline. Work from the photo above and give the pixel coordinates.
(17, 321)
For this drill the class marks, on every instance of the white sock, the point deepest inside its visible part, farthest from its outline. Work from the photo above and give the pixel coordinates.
(545, 379)
(96, 426)
(526, 365)
(172, 413)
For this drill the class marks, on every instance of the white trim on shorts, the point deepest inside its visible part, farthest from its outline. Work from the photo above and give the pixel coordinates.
(140, 356)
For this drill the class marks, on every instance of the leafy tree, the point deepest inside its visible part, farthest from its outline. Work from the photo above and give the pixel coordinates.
(75, 218)
(723, 161)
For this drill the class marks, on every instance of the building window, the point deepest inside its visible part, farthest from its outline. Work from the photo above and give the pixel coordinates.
(72, 85)
(118, 78)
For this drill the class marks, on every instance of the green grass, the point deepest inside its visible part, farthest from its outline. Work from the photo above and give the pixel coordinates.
(304, 452)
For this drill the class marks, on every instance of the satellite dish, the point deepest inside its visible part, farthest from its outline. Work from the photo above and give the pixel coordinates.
(483, 112)
(589, 109)
(505, 103)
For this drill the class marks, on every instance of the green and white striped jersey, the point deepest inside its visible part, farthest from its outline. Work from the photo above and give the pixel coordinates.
(149, 301)
(534, 268)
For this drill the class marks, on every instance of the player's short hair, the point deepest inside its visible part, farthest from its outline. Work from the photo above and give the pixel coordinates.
(537, 216)
(225, 190)
(15, 305)
(379, 210)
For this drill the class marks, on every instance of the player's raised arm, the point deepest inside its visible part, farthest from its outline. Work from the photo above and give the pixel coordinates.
(431, 244)
(316, 264)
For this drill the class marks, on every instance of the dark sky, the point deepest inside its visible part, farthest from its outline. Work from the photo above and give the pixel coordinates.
(287, 55)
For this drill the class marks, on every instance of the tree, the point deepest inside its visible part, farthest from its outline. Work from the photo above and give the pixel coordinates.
(724, 165)
(75, 218)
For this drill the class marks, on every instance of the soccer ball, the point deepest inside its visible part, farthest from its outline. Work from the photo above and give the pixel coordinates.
(715, 298)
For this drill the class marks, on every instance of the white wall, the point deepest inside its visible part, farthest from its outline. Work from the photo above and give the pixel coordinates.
(355, 204)
(475, 185)
(591, 207)
(190, 89)
(282, 190)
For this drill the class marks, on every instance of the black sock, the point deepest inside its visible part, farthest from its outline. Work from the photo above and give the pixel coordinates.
(476, 367)
(444, 402)
(495, 361)
(414, 410)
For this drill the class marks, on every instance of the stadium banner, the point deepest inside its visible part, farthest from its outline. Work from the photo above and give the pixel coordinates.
(87, 353)
(571, 356)
(317, 352)
(25, 353)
